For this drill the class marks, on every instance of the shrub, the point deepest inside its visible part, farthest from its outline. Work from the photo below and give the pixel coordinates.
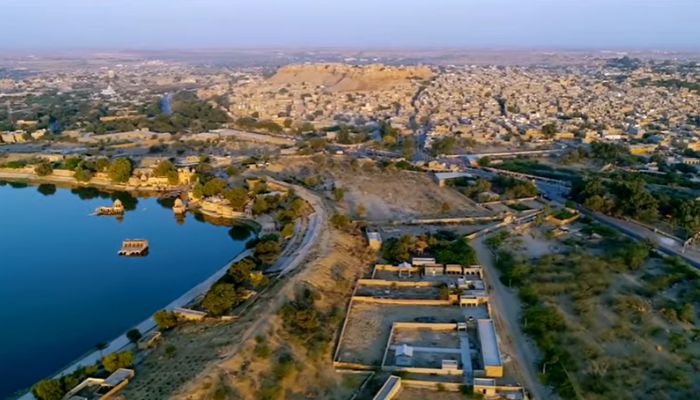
(134, 335)
(261, 350)
(114, 361)
(220, 298)
(48, 389)
(120, 170)
(340, 221)
(165, 320)
(43, 169)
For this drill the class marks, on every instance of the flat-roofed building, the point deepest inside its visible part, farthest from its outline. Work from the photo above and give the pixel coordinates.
(433, 270)
(418, 261)
(490, 355)
(374, 239)
(191, 315)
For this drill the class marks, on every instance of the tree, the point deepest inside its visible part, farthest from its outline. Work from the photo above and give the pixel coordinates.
(165, 319)
(686, 313)
(239, 273)
(166, 169)
(82, 174)
(134, 335)
(198, 190)
(220, 298)
(48, 389)
(484, 161)
(340, 221)
(237, 197)
(267, 251)
(288, 230)
(408, 149)
(549, 130)
(338, 194)
(44, 168)
(170, 351)
(214, 187)
(445, 145)
(119, 170)
(71, 163)
(114, 361)
(231, 171)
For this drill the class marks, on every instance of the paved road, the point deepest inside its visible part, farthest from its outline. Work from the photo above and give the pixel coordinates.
(662, 243)
(505, 311)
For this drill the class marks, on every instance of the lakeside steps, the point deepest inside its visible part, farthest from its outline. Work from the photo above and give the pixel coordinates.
(134, 247)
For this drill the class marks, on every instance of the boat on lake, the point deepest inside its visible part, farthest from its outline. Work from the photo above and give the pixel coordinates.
(134, 247)
(116, 209)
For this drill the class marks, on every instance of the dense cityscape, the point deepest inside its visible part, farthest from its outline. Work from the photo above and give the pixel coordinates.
(445, 211)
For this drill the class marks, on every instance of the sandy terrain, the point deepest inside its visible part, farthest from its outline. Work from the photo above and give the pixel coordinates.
(426, 338)
(386, 195)
(422, 394)
(339, 259)
(369, 325)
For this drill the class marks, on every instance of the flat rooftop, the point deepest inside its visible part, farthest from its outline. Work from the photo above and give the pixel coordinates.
(489, 344)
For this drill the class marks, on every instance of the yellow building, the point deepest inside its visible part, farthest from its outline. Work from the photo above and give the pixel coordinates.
(642, 149)
(564, 136)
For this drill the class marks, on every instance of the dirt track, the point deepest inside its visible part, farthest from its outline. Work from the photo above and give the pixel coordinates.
(505, 309)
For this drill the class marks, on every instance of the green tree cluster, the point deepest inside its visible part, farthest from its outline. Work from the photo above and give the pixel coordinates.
(44, 168)
(114, 361)
(305, 323)
(120, 170)
(165, 320)
(166, 169)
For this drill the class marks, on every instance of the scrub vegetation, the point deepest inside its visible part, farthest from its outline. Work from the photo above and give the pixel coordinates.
(612, 320)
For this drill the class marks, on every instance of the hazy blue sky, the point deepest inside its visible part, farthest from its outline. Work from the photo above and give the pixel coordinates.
(49, 24)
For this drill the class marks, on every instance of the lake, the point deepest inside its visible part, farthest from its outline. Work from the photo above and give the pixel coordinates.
(63, 288)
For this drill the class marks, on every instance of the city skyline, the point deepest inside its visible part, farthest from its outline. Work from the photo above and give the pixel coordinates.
(535, 24)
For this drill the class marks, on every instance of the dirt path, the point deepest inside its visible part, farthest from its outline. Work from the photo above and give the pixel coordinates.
(505, 308)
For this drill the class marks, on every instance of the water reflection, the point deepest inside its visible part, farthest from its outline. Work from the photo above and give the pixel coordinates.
(166, 202)
(180, 219)
(128, 201)
(47, 189)
(86, 193)
(239, 232)
(18, 185)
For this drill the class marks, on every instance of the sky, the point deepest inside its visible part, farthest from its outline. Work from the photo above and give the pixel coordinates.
(173, 24)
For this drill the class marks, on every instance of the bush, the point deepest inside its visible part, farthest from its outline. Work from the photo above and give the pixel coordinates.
(119, 170)
(43, 169)
(48, 389)
(220, 298)
(83, 175)
(340, 221)
(288, 231)
(170, 351)
(267, 250)
(262, 350)
(134, 335)
(114, 361)
(165, 319)
(237, 197)
(304, 322)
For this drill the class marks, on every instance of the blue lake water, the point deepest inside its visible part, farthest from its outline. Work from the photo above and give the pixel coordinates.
(63, 289)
